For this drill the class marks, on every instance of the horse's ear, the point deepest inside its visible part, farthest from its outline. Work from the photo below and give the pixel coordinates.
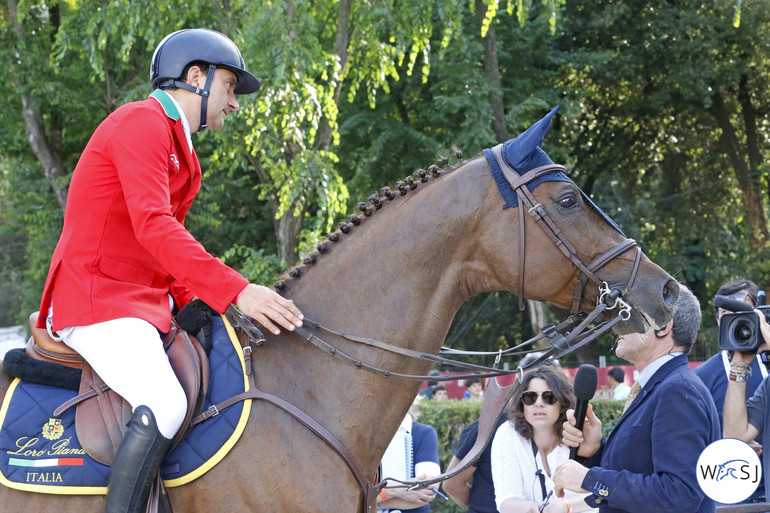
(524, 153)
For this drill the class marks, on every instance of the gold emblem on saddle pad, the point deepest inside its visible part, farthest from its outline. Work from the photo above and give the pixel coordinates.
(53, 430)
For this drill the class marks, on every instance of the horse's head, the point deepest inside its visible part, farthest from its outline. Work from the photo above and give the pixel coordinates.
(569, 220)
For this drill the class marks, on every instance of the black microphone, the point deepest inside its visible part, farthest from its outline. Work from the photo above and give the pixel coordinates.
(732, 305)
(586, 380)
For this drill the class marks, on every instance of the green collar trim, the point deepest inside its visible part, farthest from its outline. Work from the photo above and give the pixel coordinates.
(167, 103)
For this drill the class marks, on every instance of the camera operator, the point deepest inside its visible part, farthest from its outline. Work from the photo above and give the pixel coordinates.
(715, 371)
(747, 420)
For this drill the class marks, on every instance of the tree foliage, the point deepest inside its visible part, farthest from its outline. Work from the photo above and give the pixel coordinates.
(671, 132)
(663, 121)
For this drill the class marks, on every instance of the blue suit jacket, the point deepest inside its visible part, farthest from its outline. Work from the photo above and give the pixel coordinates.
(648, 463)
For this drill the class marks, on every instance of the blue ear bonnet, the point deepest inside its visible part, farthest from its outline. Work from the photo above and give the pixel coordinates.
(524, 154)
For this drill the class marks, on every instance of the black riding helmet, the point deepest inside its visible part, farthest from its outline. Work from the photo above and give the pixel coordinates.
(183, 47)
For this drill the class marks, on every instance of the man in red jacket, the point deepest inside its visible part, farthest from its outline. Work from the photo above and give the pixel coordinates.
(124, 260)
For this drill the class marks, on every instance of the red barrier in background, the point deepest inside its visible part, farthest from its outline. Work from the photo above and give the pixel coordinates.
(456, 389)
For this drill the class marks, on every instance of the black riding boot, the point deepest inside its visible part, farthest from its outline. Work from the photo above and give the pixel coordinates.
(136, 464)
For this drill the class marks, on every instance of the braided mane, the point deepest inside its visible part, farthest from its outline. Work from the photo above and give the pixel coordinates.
(367, 208)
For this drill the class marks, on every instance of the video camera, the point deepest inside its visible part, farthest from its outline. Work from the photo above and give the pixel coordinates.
(739, 331)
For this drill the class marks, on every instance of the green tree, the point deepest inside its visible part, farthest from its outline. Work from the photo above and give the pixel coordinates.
(458, 105)
(65, 79)
(669, 134)
(662, 122)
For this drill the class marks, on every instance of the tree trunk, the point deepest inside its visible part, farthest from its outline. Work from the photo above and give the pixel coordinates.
(288, 226)
(323, 142)
(492, 72)
(536, 309)
(753, 207)
(287, 230)
(750, 115)
(49, 158)
(538, 316)
(44, 147)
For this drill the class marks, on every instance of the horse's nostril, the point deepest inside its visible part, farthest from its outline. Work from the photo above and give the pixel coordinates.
(670, 292)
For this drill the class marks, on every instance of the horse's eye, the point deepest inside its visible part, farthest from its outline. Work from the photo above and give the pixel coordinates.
(567, 202)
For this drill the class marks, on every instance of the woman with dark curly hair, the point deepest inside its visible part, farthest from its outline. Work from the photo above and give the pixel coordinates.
(527, 448)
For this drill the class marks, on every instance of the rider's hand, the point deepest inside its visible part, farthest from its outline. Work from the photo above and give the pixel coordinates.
(269, 308)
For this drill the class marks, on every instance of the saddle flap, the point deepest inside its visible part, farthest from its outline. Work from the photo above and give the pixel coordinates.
(101, 420)
(191, 366)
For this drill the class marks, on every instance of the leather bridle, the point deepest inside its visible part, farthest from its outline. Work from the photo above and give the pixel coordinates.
(528, 203)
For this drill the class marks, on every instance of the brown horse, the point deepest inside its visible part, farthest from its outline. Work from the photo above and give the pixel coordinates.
(399, 276)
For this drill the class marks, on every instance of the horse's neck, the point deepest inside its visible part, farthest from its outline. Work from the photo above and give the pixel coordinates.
(399, 277)
(404, 272)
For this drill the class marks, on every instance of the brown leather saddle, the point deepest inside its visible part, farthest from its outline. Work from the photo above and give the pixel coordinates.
(102, 415)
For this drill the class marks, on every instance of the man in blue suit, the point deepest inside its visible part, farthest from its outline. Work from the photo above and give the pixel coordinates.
(648, 463)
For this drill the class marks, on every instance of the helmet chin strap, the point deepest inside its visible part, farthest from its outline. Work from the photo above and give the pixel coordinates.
(204, 93)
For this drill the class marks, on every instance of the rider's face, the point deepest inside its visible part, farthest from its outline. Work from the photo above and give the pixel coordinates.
(221, 98)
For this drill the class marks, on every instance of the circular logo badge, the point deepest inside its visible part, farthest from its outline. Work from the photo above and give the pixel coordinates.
(729, 471)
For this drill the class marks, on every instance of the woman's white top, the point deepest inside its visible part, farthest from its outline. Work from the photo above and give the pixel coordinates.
(514, 467)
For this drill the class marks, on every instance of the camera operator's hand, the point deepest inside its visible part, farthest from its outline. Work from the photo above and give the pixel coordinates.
(735, 422)
(764, 328)
(741, 357)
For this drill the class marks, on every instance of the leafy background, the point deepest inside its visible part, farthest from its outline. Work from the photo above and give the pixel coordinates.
(663, 121)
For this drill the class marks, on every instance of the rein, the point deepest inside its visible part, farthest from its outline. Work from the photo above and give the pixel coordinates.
(560, 344)
(491, 410)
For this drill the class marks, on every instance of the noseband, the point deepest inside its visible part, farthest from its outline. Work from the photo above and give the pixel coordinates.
(528, 203)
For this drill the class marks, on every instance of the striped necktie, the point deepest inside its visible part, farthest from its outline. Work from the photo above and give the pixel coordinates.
(632, 395)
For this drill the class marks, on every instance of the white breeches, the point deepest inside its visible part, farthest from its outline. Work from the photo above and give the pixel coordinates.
(128, 355)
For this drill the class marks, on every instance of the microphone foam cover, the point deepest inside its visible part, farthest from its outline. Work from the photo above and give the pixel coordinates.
(586, 380)
(731, 304)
